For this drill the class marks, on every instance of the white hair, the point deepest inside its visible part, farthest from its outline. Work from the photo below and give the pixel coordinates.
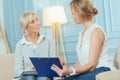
(25, 19)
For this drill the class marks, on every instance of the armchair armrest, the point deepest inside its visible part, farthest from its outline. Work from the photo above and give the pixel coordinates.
(6, 67)
(109, 75)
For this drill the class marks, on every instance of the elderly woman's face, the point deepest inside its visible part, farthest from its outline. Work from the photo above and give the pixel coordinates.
(34, 26)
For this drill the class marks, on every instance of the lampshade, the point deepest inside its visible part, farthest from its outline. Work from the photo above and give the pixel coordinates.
(54, 14)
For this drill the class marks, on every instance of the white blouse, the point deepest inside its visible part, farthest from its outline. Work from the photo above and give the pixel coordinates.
(83, 53)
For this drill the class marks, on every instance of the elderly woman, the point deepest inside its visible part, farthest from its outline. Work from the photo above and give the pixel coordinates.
(92, 48)
(33, 44)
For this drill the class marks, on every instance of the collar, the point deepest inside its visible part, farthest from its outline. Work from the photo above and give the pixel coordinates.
(24, 41)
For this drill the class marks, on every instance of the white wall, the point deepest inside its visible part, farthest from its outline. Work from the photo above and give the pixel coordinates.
(1, 13)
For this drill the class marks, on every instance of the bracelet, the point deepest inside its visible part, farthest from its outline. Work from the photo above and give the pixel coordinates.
(73, 71)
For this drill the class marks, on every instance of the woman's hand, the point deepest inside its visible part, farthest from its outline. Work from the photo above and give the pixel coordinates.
(62, 72)
(32, 67)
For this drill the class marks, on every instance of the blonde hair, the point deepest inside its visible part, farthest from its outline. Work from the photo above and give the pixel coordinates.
(25, 19)
(84, 8)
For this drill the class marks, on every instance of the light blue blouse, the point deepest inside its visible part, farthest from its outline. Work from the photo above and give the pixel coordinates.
(45, 47)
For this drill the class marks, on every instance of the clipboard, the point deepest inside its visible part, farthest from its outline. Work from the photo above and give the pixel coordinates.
(43, 66)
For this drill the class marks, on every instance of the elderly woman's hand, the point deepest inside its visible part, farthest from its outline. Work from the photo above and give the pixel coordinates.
(61, 72)
(32, 67)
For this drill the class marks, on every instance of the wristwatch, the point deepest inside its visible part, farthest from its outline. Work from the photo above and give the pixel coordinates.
(73, 71)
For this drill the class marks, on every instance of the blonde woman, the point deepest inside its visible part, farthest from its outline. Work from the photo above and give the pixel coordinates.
(92, 48)
(33, 44)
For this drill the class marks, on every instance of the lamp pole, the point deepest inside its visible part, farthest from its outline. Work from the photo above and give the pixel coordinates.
(56, 30)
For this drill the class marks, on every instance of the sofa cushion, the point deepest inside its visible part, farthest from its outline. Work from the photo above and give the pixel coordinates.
(6, 67)
(109, 75)
(117, 57)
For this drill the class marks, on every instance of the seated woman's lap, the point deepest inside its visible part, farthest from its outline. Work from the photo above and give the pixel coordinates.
(27, 78)
(32, 78)
(89, 75)
(41, 78)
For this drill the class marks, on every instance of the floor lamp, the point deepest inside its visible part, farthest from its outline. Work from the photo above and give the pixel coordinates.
(55, 16)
